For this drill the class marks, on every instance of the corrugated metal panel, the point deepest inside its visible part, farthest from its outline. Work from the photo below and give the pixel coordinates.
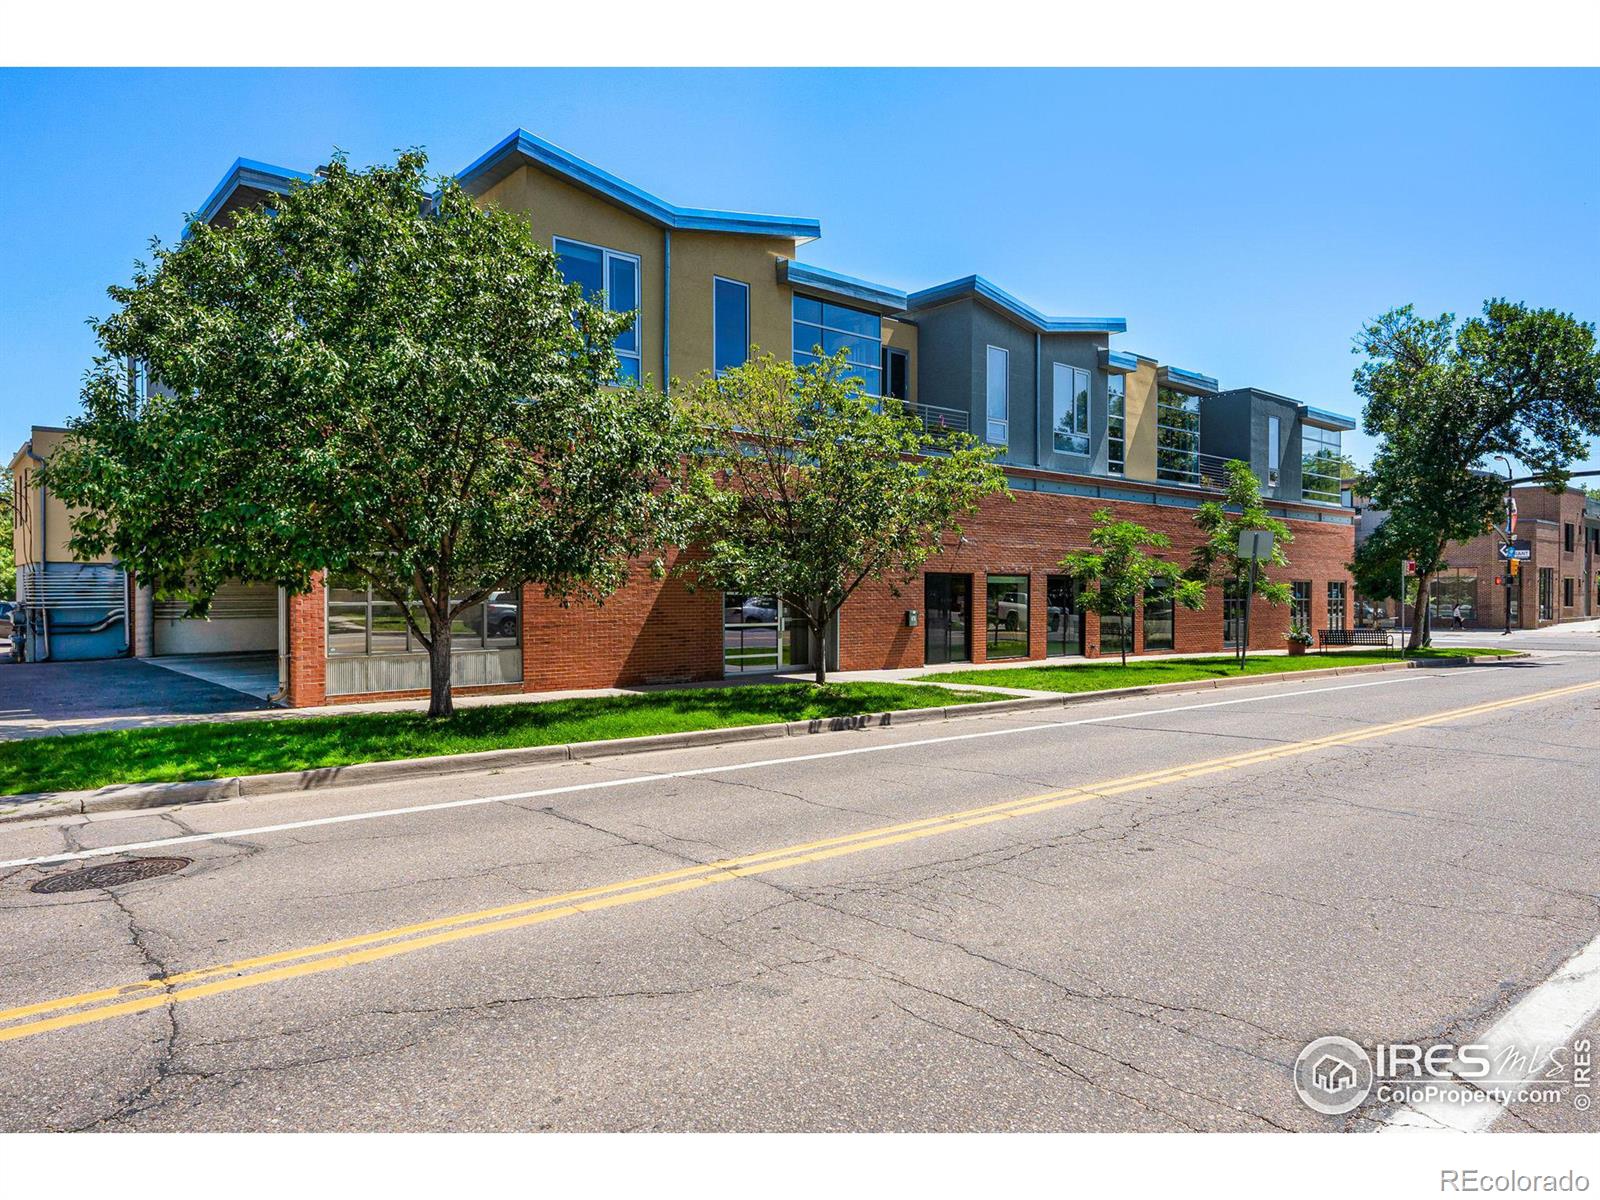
(88, 587)
(232, 602)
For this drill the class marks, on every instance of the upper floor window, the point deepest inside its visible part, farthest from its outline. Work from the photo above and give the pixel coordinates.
(997, 426)
(1177, 436)
(1320, 459)
(616, 276)
(896, 374)
(1566, 537)
(730, 319)
(822, 327)
(1274, 433)
(1070, 390)
(1116, 424)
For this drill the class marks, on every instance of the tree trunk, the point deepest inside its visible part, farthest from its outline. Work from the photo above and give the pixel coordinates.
(819, 633)
(1419, 612)
(440, 703)
(1127, 632)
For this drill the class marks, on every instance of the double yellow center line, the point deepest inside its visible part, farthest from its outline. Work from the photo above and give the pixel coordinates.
(142, 995)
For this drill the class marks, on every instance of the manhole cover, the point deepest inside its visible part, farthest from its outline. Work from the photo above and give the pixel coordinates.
(130, 870)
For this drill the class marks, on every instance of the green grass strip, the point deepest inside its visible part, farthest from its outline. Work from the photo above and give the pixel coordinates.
(1109, 673)
(218, 749)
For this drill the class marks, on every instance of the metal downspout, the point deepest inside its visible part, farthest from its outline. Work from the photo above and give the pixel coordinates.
(44, 553)
(1040, 426)
(666, 309)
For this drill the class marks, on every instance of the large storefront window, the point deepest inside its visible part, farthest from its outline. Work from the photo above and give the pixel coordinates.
(830, 328)
(760, 634)
(1177, 436)
(362, 622)
(1320, 464)
(1064, 623)
(1300, 603)
(1233, 606)
(1158, 614)
(1008, 616)
(1449, 591)
(947, 613)
(1336, 613)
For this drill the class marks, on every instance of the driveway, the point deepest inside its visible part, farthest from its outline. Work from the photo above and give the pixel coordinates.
(38, 699)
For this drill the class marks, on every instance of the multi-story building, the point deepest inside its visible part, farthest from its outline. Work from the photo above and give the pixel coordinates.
(1080, 426)
(1559, 581)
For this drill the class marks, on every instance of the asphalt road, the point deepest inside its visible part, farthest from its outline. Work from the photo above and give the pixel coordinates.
(1198, 894)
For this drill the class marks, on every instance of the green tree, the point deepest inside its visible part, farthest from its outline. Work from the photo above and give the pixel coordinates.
(1118, 568)
(804, 488)
(1216, 560)
(376, 377)
(8, 549)
(1444, 399)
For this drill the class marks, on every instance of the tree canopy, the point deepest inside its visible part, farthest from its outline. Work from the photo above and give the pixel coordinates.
(804, 488)
(8, 550)
(1118, 568)
(1444, 399)
(374, 376)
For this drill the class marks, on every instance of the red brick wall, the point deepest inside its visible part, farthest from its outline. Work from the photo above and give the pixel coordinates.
(1031, 533)
(650, 631)
(658, 631)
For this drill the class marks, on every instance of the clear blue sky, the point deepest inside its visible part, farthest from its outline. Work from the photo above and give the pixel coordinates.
(1245, 223)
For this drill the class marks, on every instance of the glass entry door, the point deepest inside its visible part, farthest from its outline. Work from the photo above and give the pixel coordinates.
(760, 634)
(1063, 621)
(947, 609)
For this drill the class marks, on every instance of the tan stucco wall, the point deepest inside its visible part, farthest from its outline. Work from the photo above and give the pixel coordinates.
(696, 259)
(25, 534)
(1141, 422)
(555, 208)
(902, 335)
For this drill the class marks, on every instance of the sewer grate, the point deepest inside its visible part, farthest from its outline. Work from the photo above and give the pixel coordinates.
(129, 870)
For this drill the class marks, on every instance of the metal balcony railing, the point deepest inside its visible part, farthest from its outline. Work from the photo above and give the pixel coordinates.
(936, 419)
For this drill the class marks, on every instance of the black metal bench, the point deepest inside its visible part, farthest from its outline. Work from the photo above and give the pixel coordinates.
(1355, 637)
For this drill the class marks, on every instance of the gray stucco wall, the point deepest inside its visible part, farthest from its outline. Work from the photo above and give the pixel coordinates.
(953, 343)
(1235, 424)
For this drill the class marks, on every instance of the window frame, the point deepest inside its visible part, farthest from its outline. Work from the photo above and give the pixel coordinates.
(718, 370)
(1313, 441)
(635, 355)
(890, 354)
(458, 643)
(1079, 402)
(1300, 601)
(810, 355)
(1336, 587)
(1163, 591)
(1164, 405)
(989, 420)
(991, 608)
(1117, 421)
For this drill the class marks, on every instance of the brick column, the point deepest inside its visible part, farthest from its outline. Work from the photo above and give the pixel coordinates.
(308, 647)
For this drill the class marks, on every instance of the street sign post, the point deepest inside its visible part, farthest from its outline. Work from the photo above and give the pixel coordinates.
(1254, 544)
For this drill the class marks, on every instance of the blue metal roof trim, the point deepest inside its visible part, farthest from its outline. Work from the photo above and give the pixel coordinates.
(819, 279)
(247, 172)
(523, 144)
(979, 286)
(1190, 378)
(1121, 360)
(1328, 420)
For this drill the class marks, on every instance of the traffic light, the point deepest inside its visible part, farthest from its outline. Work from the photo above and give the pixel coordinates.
(1516, 568)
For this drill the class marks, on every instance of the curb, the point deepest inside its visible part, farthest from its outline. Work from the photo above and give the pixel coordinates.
(119, 797)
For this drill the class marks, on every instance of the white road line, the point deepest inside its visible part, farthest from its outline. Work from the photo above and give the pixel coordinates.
(1545, 1018)
(633, 780)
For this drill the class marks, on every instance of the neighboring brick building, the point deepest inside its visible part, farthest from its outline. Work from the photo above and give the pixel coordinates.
(1080, 426)
(1558, 583)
